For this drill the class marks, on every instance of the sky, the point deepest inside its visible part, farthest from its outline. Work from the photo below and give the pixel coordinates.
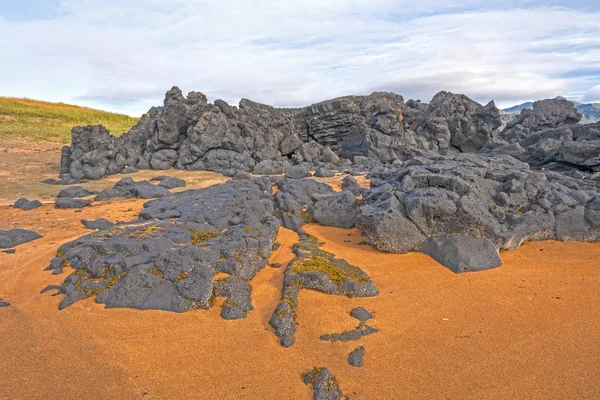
(123, 55)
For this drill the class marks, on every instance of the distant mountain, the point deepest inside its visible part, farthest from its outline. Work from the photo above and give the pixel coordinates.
(590, 111)
(519, 108)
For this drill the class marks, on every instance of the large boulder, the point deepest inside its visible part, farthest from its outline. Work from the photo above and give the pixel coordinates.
(337, 210)
(27, 205)
(462, 253)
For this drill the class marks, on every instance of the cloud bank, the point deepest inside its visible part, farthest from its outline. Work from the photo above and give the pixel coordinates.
(123, 55)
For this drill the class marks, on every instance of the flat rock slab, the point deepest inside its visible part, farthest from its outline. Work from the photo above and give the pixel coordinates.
(168, 182)
(14, 237)
(99, 224)
(75, 192)
(462, 253)
(361, 314)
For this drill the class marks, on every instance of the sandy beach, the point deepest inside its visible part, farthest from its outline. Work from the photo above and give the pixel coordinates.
(528, 329)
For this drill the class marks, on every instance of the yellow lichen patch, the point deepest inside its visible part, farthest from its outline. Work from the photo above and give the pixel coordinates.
(146, 230)
(180, 277)
(199, 237)
(305, 216)
(325, 266)
(311, 375)
(66, 264)
(156, 271)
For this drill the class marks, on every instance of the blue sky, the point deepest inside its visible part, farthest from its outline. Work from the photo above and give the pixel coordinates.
(122, 55)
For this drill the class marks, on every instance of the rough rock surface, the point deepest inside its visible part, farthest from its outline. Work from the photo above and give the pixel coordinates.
(127, 187)
(318, 270)
(324, 384)
(188, 133)
(338, 210)
(549, 137)
(351, 184)
(4, 303)
(499, 199)
(323, 172)
(99, 224)
(293, 196)
(156, 263)
(27, 205)
(168, 182)
(14, 237)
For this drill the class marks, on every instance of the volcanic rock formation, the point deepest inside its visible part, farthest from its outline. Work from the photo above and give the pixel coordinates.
(188, 133)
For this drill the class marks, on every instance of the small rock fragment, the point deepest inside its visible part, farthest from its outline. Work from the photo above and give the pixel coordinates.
(355, 358)
(361, 314)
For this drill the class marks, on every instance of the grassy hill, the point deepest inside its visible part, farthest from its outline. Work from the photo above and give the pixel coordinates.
(52, 122)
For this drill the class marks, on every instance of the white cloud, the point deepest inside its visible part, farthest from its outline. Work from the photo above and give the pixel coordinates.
(123, 55)
(592, 95)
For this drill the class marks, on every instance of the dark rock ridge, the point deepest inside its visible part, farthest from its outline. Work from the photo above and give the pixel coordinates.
(315, 269)
(188, 133)
(14, 237)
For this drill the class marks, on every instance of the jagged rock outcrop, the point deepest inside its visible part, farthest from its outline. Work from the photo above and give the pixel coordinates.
(549, 137)
(499, 200)
(188, 133)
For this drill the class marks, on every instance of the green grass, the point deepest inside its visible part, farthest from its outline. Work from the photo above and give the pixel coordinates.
(35, 120)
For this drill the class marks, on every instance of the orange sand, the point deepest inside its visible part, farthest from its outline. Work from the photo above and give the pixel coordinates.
(529, 329)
